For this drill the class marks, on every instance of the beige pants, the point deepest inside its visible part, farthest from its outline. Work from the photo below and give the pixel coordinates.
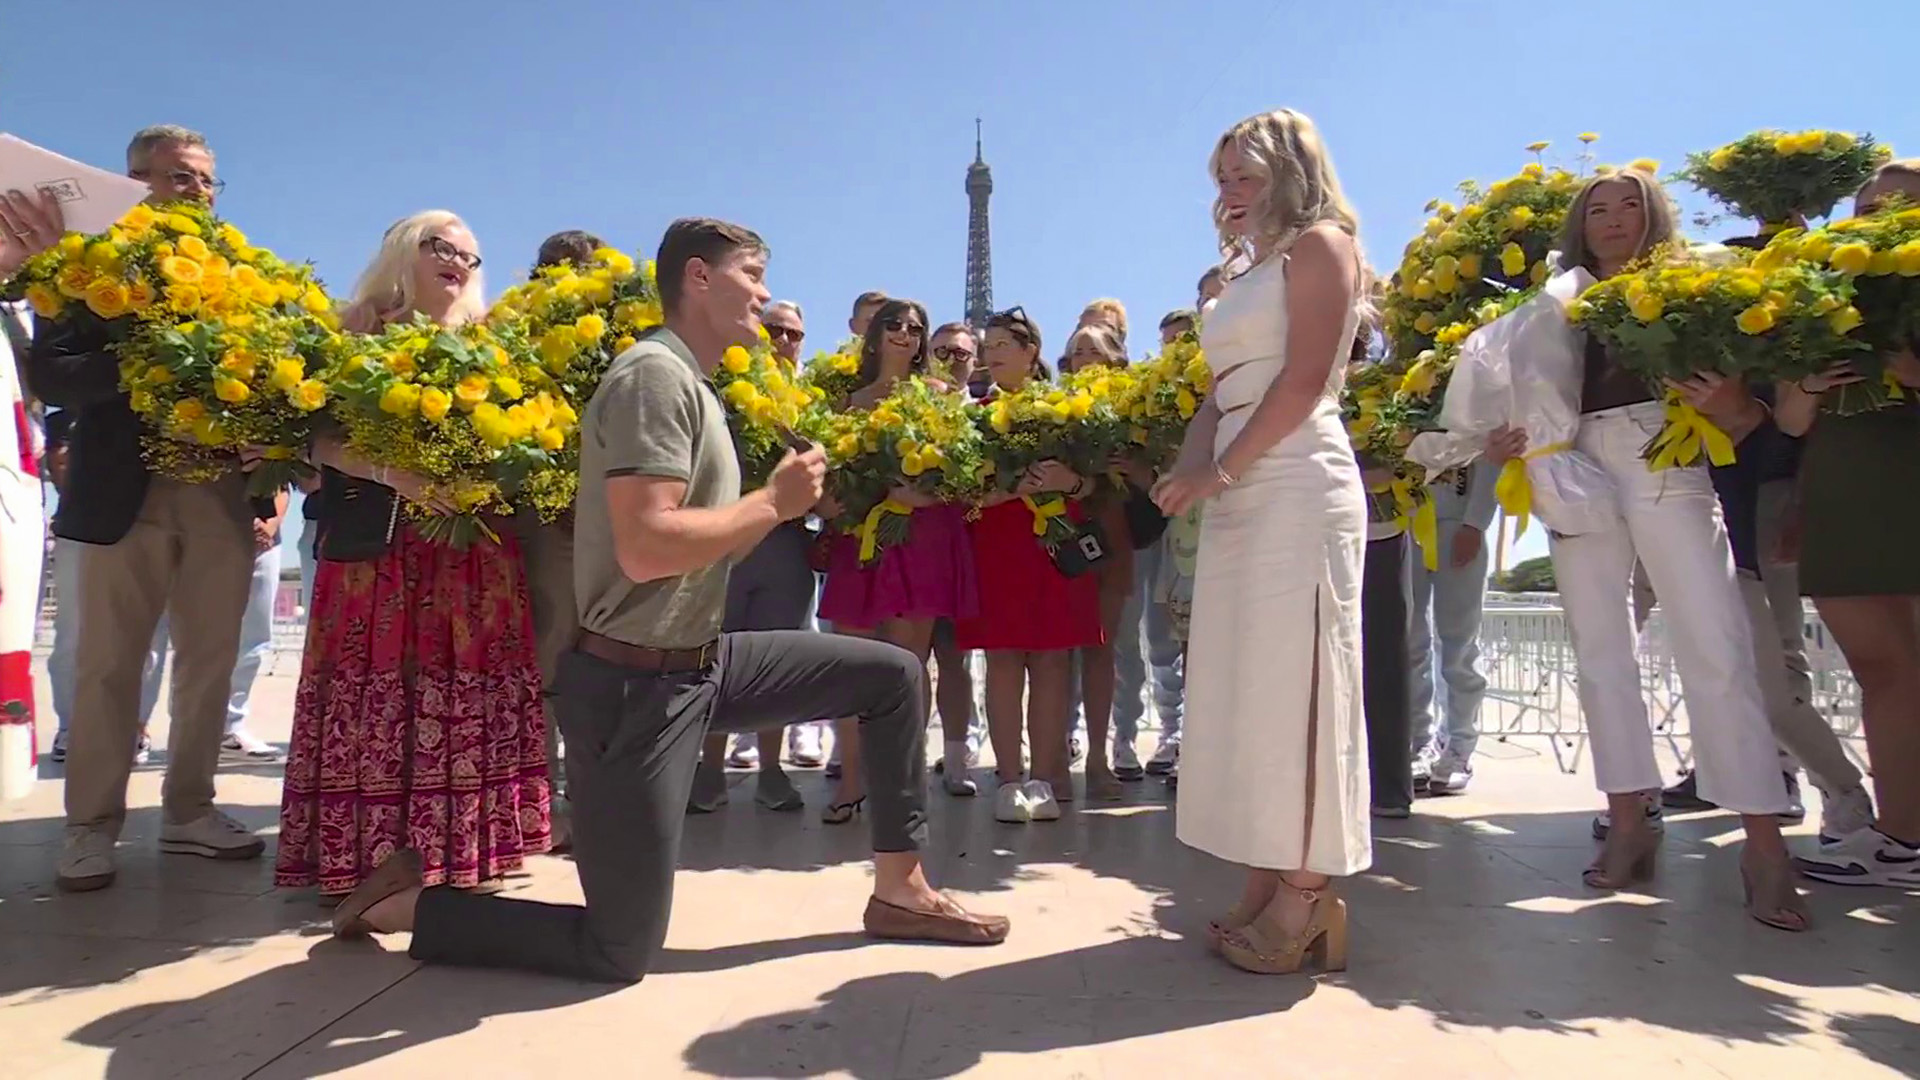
(189, 553)
(556, 618)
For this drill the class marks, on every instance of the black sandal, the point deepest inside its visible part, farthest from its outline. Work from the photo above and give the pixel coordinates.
(842, 812)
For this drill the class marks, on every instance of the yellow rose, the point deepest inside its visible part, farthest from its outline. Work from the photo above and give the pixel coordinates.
(138, 219)
(141, 401)
(1470, 266)
(550, 439)
(287, 373)
(1519, 218)
(107, 298)
(314, 301)
(1513, 260)
(1425, 324)
(1906, 259)
(194, 248)
(1844, 320)
(1757, 319)
(509, 387)
(401, 399)
(624, 343)
(590, 328)
(1186, 403)
(181, 271)
(72, 281)
(181, 223)
(1839, 140)
(846, 446)
(188, 410)
(1851, 259)
(1720, 159)
(471, 391)
(434, 403)
(46, 302)
(1646, 307)
(1425, 289)
(309, 395)
(736, 360)
(1645, 165)
(1881, 264)
(231, 391)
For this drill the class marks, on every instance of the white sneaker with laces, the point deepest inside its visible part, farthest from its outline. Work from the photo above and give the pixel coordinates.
(746, 751)
(1165, 755)
(86, 860)
(1126, 760)
(1450, 775)
(803, 745)
(1010, 805)
(1043, 806)
(245, 744)
(1868, 857)
(1844, 814)
(213, 836)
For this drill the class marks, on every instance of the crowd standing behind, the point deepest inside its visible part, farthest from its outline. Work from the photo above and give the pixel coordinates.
(1341, 678)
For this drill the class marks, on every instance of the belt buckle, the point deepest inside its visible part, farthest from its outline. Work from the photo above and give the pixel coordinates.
(706, 654)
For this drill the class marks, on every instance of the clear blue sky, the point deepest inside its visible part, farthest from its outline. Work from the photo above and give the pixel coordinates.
(842, 130)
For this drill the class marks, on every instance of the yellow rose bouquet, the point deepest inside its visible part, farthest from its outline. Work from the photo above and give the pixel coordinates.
(1880, 255)
(832, 376)
(1782, 178)
(453, 406)
(1160, 396)
(1676, 314)
(915, 437)
(764, 407)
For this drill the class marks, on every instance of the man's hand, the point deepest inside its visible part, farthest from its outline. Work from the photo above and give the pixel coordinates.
(1505, 444)
(798, 482)
(29, 225)
(1718, 398)
(1467, 542)
(265, 535)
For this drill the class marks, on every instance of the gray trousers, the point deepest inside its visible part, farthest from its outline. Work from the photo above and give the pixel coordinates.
(632, 744)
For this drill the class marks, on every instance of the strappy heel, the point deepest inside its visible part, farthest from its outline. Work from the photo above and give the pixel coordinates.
(1260, 949)
(842, 812)
(1236, 918)
(1627, 858)
(1771, 899)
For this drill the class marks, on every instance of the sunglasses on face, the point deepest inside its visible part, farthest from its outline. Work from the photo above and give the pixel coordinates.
(447, 253)
(953, 354)
(903, 326)
(181, 178)
(785, 333)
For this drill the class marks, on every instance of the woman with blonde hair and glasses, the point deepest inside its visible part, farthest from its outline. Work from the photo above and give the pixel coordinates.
(1671, 522)
(1274, 757)
(418, 722)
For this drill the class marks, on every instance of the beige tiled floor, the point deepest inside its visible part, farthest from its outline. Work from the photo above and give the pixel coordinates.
(1477, 953)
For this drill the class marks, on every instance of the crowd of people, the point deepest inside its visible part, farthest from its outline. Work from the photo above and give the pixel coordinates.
(574, 685)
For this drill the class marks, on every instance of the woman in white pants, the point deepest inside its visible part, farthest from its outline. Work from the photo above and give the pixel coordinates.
(1670, 520)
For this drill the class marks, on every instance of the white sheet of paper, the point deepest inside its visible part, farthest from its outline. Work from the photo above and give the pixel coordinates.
(92, 199)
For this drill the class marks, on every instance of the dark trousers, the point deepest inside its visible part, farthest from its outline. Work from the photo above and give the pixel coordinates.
(632, 743)
(1385, 604)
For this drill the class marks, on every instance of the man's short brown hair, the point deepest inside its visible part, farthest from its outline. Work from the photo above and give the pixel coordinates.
(951, 328)
(572, 246)
(148, 139)
(868, 298)
(707, 239)
(1179, 315)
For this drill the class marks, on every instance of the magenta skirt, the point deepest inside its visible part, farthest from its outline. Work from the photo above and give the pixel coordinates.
(930, 576)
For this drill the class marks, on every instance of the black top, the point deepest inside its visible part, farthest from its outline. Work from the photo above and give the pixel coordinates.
(1607, 385)
(70, 366)
(1765, 455)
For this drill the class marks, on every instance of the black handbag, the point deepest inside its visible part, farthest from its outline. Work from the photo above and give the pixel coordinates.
(1084, 551)
(360, 518)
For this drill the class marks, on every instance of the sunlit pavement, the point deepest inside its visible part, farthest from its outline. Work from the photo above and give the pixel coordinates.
(1477, 952)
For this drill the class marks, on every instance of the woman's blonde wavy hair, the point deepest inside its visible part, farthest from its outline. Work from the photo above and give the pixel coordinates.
(1299, 190)
(1663, 219)
(1107, 343)
(384, 291)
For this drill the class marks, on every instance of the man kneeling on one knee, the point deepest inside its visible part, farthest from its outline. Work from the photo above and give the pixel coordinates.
(660, 517)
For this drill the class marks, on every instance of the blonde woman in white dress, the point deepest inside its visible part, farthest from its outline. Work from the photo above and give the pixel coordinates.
(1274, 761)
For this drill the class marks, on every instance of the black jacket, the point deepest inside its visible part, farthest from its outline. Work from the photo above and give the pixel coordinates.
(70, 366)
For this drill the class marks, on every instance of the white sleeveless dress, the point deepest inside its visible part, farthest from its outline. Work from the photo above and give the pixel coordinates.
(1264, 781)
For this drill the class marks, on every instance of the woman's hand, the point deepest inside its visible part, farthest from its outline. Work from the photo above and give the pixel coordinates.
(29, 225)
(416, 489)
(1053, 477)
(1841, 374)
(1713, 394)
(1186, 487)
(1131, 469)
(1906, 368)
(1505, 444)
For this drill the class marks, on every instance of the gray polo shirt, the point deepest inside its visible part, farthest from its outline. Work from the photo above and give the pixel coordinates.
(654, 414)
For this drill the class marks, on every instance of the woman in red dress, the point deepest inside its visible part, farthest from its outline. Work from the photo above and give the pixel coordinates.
(1031, 616)
(418, 722)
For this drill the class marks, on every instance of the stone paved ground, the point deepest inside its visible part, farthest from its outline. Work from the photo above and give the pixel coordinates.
(1477, 953)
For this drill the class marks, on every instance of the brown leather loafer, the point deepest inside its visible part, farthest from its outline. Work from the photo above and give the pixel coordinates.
(951, 925)
(399, 873)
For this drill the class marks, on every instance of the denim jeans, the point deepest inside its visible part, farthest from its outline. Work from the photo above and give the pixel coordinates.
(66, 637)
(1162, 651)
(256, 632)
(1446, 606)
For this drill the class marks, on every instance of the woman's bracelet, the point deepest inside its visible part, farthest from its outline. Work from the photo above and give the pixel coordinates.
(1226, 478)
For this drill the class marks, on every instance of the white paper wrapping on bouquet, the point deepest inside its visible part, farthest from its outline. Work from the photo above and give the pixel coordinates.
(1525, 370)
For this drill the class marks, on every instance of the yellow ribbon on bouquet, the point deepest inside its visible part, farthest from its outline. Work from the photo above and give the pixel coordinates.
(1044, 511)
(870, 528)
(1686, 434)
(1419, 517)
(1514, 491)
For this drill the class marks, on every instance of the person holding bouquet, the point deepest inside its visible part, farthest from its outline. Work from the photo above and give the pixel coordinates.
(1671, 521)
(418, 722)
(1857, 561)
(1031, 615)
(898, 595)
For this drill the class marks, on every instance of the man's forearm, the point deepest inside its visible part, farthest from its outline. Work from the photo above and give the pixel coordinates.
(685, 539)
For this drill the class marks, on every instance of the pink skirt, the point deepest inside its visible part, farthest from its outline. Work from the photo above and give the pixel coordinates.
(929, 576)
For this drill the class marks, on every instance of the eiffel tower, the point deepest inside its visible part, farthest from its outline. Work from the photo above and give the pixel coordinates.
(979, 247)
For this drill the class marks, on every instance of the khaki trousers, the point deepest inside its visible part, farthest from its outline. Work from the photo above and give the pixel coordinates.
(556, 620)
(189, 555)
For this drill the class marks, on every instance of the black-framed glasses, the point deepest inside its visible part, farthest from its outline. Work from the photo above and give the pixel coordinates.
(1014, 320)
(785, 333)
(903, 326)
(447, 253)
(952, 354)
(180, 178)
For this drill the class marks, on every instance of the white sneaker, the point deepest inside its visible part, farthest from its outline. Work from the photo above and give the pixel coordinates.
(86, 860)
(1010, 805)
(1844, 814)
(746, 751)
(1040, 801)
(143, 750)
(1868, 857)
(803, 745)
(1126, 761)
(1165, 755)
(953, 777)
(243, 744)
(214, 836)
(1450, 775)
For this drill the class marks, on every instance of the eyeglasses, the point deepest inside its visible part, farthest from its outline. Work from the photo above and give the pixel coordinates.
(447, 253)
(1014, 321)
(181, 178)
(908, 326)
(785, 333)
(952, 354)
